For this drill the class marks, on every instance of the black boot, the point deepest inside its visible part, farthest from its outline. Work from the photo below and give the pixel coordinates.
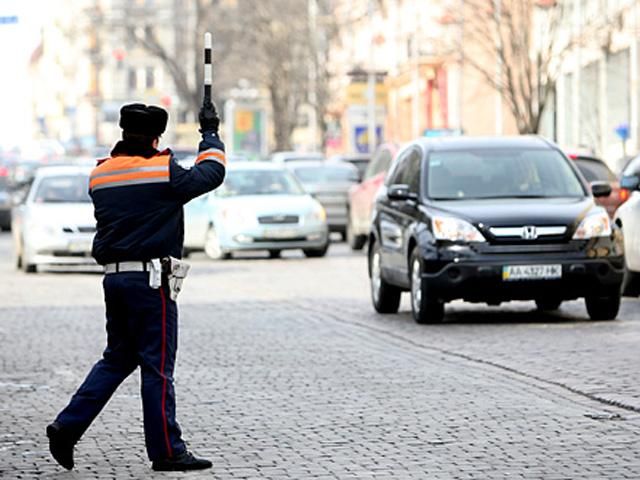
(61, 445)
(184, 461)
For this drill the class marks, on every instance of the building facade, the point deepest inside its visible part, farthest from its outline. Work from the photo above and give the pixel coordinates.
(598, 91)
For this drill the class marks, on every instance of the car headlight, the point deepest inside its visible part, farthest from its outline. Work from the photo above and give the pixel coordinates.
(455, 230)
(237, 216)
(42, 230)
(317, 214)
(593, 225)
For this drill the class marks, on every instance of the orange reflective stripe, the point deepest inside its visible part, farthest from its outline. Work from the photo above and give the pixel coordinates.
(214, 154)
(122, 169)
(122, 163)
(127, 176)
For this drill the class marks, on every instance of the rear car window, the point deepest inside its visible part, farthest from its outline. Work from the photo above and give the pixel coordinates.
(595, 170)
(325, 174)
(633, 168)
(63, 189)
(259, 182)
(500, 173)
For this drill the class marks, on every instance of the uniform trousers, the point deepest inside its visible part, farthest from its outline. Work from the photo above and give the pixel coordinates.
(142, 331)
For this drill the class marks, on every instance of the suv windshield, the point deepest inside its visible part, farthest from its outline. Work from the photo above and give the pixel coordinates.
(500, 173)
(259, 182)
(63, 189)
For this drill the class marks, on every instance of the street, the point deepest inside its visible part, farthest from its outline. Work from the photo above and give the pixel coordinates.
(289, 373)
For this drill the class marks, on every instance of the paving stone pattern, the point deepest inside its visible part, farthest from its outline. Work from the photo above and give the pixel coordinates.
(279, 384)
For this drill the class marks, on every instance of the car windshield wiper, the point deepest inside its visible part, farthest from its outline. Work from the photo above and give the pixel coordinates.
(511, 196)
(493, 197)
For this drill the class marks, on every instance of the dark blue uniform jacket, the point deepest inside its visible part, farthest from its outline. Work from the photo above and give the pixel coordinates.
(138, 198)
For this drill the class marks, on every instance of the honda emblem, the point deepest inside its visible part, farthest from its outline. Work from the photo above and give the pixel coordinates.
(529, 232)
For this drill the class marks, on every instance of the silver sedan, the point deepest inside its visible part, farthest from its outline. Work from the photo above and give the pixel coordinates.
(261, 206)
(54, 224)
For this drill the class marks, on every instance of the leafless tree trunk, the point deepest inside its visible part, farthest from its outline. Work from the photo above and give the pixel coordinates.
(527, 38)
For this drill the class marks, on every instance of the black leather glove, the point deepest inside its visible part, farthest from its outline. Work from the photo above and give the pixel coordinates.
(209, 120)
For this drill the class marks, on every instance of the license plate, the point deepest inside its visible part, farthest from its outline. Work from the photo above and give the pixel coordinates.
(80, 246)
(511, 273)
(279, 234)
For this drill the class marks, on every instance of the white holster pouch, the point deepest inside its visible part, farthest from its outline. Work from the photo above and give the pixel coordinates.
(155, 273)
(176, 271)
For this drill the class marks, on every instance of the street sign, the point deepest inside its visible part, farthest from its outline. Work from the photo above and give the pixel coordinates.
(8, 20)
(622, 131)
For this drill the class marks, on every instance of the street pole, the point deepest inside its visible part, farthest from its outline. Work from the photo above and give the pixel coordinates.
(312, 7)
(371, 88)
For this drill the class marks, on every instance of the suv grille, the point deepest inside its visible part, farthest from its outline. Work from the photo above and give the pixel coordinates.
(569, 247)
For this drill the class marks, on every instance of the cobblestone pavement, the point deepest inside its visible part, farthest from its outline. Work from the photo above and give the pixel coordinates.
(284, 371)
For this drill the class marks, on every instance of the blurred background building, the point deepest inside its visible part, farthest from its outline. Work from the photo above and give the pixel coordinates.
(340, 75)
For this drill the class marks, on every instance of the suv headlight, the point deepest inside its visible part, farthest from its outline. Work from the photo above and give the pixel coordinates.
(455, 230)
(593, 225)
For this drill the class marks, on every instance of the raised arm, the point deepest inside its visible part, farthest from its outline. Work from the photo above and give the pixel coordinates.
(209, 170)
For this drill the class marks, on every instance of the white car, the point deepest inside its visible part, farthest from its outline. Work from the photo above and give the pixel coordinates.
(628, 215)
(261, 206)
(54, 224)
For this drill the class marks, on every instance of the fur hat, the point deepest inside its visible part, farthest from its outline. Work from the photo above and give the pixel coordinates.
(141, 119)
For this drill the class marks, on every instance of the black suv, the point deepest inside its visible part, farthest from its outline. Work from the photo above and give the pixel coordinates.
(492, 220)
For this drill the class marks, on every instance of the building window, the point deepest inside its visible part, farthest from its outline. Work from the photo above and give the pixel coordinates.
(132, 80)
(150, 77)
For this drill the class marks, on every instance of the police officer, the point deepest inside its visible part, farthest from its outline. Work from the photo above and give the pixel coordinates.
(138, 194)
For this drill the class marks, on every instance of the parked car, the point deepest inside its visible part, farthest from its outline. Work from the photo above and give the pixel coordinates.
(628, 217)
(492, 220)
(261, 206)
(329, 183)
(5, 199)
(358, 160)
(361, 196)
(54, 225)
(285, 157)
(594, 170)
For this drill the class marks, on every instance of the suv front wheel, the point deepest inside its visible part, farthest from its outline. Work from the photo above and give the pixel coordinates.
(385, 297)
(603, 308)
(424, 308)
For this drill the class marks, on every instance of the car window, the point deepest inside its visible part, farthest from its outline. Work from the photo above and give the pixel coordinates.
(259, 182)
(594, 170)
(397, 169)
(381, 163)
(63, 189)
(411, 173)
(500, 173)
(374, 165)
(633, 168)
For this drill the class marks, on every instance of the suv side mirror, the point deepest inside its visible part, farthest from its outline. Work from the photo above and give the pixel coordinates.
(400, 192)
(630, 182)
(600, 189)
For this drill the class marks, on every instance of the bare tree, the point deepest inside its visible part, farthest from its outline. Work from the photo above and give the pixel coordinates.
(188, 39)
(273, 52)
(267, 43)
(518, 47)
